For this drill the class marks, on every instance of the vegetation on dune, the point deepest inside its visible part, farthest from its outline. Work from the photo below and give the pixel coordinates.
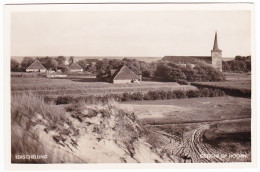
(27, 110)
(61, 134)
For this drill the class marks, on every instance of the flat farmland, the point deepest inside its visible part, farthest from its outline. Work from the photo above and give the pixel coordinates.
(233, 80)
(236, 84)
(193, 110)
(45, 86)
(194, 129)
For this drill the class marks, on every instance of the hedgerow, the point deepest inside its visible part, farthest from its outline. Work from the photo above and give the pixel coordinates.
(138, 96)
(237, 92)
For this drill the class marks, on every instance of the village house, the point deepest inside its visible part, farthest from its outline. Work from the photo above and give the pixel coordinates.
(125, 75)
(36, 66)
(74, 66)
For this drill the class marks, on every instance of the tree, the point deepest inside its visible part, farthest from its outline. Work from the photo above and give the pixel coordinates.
(26, 62)
(162, 71)
(177, 73)
(237, 65)
(49, 63)
(83, 63)
(92, 68)
(54, 64)
(14, 65)
(61, 60)
(147, 73)
(71, 60)
(65, 70)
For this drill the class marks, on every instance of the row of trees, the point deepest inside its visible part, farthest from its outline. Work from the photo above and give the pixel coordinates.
(106, 67)
(47, 62)
(239, 65)
(176, 73)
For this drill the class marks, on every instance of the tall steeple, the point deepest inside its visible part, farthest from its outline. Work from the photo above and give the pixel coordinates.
(216, 55)
(215, 46)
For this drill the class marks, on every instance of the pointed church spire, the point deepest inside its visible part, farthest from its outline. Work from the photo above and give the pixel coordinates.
(215, 46)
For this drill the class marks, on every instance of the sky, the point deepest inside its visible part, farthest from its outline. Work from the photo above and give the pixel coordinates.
(130, 33)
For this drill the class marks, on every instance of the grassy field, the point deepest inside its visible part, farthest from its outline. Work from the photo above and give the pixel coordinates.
(191, 110)
(233, 80)
(44, 86)
(198, 125)
(236, 84)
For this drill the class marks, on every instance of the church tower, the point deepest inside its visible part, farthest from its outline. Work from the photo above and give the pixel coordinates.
(216, 55)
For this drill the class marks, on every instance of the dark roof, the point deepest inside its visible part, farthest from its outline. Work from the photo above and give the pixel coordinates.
(187, 59)
(92, 60)
(75, 66)
(124, 73)
(36, 65)
(215, 46)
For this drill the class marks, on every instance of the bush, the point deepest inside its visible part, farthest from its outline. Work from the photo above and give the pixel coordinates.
(182, 82)
(204, 92)
(150, 95)
(48, 99)
(161, 95)
(64, 100)
(126, 97)
(137, 96)
(171, 95)
(183, 74)
(193, 93)
(180, 94)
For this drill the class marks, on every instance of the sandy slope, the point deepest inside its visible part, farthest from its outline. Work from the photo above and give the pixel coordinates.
(94, 134)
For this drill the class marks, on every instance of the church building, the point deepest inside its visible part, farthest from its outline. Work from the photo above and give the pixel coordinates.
(215, 59)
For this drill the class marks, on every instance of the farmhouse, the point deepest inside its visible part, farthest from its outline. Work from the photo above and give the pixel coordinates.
(125, 75)
(36, 66)
(215, 59)
(75, 67)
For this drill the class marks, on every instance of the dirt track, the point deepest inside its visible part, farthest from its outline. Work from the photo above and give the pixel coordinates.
(192, 149)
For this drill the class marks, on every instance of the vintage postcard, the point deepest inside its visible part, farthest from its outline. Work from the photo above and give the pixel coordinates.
(157, 84)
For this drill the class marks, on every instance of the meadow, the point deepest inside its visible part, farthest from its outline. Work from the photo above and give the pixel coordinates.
(236, 84)
(45, 86)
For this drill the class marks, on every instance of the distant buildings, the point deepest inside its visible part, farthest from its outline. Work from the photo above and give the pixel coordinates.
(125, 75)
(215, 59)
(75, 67)
(36, 66)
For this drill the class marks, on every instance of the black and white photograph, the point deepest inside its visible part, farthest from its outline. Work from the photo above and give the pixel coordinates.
(130, 83)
